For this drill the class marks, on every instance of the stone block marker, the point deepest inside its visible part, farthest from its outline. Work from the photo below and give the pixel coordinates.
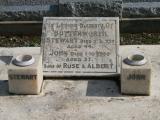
(25, 77)
(141, 8)
(136, 75)
(27, 9)
(90, 8)
(80, 46)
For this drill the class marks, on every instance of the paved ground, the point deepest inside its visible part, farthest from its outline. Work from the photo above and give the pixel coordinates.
(80, 99)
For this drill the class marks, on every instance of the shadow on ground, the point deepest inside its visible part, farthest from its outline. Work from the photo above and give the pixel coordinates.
(6, 59)
(103, 88)
(4, 88)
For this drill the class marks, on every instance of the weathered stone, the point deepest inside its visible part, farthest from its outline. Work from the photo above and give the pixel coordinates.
(27, 2)
(124, 1)
(26, 80)
(90, 8)
(27, 10)
(83, 46)
(136, 79)
(141, 9)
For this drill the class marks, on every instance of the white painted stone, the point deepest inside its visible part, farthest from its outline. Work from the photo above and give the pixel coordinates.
(76, 46)
(136, 78)
(28, 79)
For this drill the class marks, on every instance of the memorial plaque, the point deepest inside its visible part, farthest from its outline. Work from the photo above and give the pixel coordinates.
(79, 46)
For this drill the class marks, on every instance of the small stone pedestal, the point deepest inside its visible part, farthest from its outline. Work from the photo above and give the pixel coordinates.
(25, 74)
(136, 75)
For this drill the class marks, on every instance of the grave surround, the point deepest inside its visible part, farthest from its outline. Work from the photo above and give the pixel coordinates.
(68, 99)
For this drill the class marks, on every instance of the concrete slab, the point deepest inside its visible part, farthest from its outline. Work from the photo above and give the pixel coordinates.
(81, 99)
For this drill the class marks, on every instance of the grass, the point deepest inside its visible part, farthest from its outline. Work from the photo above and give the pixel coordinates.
(141, 38)
(125, 39)
(20, 41)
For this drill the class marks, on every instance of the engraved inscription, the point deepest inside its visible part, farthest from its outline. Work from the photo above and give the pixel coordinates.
(80, 45)
(22, 77)
(136, 77)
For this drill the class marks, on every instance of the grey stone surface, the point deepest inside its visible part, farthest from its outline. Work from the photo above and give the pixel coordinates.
(37, 9)
(127, 1)
(27, 9)
(141, 9)
(90, 8)
(82, 99)
(27, 2)
(83, 46)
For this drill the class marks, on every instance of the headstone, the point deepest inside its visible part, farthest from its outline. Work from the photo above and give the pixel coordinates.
(27, 9)
(90, 8)
(85, 46)
(25, 74)
(136, 74)
(141, 8)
